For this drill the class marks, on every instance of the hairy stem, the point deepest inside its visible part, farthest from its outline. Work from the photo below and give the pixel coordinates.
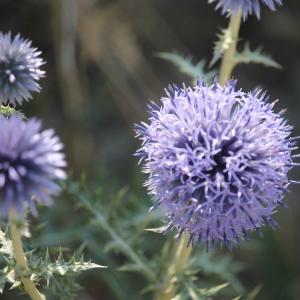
(21, 260)
(178, 264)
(227, 64)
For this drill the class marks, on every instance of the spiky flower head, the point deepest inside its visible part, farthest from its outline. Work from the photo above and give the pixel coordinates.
(217, 160)
(19, 69)
(30, 162)
(248, 7)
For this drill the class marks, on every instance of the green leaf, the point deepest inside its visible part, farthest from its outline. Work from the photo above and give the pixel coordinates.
(257, 56)
(45, 268)
(100, 219)
(6, 248)
(8, 111)
(185, 66)
(221, 45)
(222, 266)
(62, 267)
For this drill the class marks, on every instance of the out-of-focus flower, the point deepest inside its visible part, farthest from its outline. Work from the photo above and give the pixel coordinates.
(248, 7)
(30, 162)
(217, 160)
(19, 69)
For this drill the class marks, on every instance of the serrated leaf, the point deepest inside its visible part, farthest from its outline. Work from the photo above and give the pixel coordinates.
(257, 56)
(62, 267)
(185, 66)
(6, 248)
(225, 39)
(43, 267)
(100, 219)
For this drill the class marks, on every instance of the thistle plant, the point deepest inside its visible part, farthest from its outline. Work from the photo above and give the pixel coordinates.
(247, 7)
(217, 157)
(207, 151)
(31, 164)
(19, 69)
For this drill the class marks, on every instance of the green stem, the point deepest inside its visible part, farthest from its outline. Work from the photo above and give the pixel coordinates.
(179, 262)
(227, 64)
(21, 260)
(181, 252)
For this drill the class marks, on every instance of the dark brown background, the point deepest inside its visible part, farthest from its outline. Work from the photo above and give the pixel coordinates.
(102, 70)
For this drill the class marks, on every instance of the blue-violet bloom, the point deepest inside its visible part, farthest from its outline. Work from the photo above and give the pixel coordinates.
(248, 7)
(30, 162)
(19, 69)
(218, 161)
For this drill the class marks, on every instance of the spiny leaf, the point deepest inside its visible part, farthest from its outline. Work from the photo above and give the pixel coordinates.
(185, 66)
(86, 201)
(8, 111)
(257, 56)
(6, 248)
(9, 275)
(60, 266)
(221, 45)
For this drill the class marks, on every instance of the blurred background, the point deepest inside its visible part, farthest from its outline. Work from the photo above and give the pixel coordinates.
(102, 68)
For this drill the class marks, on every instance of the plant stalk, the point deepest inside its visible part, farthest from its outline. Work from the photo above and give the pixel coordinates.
(179, 262)
(181, 251)
(21, 260)
(227, 63)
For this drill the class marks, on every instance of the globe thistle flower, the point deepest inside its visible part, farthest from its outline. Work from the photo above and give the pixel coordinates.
(217, 160)
(19, 69)
(248, 7)
(30, 162)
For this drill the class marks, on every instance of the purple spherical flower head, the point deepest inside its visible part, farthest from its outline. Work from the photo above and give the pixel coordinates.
(217, 161)
(19, 69)
(248, 7)
(30, 162)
